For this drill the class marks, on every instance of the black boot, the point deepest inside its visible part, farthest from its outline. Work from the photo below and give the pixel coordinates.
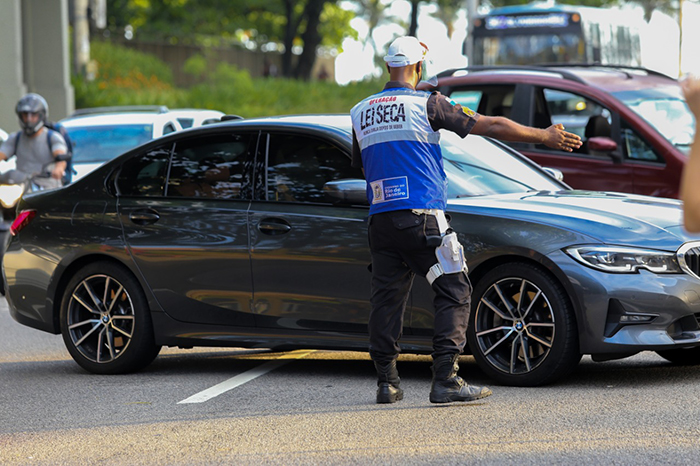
(388, 382)
(448, 386)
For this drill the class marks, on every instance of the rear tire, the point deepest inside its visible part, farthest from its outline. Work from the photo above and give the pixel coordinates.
(105, 320)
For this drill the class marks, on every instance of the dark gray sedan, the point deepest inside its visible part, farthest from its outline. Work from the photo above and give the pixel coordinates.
(253, 233)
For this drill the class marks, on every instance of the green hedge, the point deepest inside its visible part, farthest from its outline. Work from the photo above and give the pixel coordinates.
(128, 77)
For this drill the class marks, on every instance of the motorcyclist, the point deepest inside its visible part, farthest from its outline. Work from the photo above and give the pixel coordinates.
(41, 153)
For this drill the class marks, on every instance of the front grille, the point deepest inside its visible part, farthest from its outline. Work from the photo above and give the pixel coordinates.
(689, 258)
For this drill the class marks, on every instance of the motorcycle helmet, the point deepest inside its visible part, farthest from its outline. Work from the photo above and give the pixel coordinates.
(32, 103)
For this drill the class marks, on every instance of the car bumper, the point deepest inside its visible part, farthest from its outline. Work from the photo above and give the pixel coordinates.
(628, 313)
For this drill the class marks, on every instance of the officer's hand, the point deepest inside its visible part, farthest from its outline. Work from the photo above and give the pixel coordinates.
(557, 138)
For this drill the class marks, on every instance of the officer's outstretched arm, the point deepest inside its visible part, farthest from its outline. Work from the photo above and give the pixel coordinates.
(508, 130)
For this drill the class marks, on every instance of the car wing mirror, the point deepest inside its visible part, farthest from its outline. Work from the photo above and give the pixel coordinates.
(349, 191)
(554, 173)
(602, 144)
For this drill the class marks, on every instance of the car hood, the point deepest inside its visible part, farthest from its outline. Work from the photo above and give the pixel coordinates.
(613, 218)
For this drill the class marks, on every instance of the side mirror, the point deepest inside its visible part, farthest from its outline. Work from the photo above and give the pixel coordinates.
(602, 144)
(347, 191)
(554, 173)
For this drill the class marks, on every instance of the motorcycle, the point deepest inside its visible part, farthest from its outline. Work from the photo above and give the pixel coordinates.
(14, 184)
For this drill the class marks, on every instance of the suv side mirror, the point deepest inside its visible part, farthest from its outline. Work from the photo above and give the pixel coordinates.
(602, 144)
(350, 191)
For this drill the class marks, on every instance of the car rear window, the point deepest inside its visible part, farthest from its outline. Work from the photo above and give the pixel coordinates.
(102, 143)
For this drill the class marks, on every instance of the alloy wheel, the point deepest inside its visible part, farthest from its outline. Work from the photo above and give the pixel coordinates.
(100, 318)
(514, 325)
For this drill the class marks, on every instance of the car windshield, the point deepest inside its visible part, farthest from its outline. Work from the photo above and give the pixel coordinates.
(102, 143)
(666, 110)
(478, 167)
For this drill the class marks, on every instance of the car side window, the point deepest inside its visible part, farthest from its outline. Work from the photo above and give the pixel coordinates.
(298, 167)
(578, 114)
(467, 98)
(144, 175)
(494, 100)
(636, 147)
(168, 128)
(210, 166)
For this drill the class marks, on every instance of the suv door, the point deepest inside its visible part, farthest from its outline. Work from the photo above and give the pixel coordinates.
(587, 168)
(591, 167)
(183, 207)
(309, 251)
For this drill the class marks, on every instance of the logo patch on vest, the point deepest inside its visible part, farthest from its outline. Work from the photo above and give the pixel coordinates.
(390, 189)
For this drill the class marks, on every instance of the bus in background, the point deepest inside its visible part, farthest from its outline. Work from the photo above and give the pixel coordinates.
(545, 32)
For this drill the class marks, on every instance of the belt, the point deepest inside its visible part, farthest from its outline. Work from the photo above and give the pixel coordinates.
(439, 215)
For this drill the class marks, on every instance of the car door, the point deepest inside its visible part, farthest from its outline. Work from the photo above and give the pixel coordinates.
(599, 164)
(309, 251)
(656, 171)
(183, 208)
(586, 168)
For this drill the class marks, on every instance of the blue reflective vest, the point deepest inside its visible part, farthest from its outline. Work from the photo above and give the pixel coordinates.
(400, 151)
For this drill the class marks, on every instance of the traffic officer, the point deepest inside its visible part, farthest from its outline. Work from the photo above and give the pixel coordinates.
(396, 143)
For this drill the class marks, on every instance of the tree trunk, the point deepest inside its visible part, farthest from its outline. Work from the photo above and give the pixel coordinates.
(311, 38)
(289, 34)
(413, 28)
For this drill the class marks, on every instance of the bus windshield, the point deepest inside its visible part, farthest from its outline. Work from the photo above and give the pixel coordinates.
(542, 33)
(526, 49)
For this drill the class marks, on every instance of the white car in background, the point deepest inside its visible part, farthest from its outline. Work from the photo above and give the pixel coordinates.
(195, 117)
(101, 134)
(3, 135)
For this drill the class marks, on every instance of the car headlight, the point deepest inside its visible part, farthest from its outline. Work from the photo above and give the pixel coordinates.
(619, 259)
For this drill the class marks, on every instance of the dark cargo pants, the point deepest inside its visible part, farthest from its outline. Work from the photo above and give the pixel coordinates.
(399, 252)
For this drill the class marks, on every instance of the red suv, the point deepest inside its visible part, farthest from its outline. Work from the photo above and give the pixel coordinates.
(635, 125)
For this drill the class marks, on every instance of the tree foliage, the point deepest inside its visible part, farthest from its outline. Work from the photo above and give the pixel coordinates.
(297, 28)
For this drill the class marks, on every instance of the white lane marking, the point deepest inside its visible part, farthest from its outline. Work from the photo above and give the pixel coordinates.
(245, 377)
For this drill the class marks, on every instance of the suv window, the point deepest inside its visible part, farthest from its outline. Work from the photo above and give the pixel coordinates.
(144, 175)
(496, 100)
(298, 167)
(578, 114)
(209, 166)
(636, 147)
(574, 112)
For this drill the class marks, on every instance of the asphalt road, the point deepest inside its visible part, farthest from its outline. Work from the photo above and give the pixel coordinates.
(318, 408)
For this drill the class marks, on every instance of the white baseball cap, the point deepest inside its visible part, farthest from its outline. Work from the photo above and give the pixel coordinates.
(404, 51)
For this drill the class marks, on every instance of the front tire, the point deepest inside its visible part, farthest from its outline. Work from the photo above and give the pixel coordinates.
(522, 329)
(105, 320)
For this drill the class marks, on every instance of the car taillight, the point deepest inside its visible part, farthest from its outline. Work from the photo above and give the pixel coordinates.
(22, 221)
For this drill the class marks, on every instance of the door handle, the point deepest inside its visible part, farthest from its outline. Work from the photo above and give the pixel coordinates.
(274, 226)
(144, 217)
